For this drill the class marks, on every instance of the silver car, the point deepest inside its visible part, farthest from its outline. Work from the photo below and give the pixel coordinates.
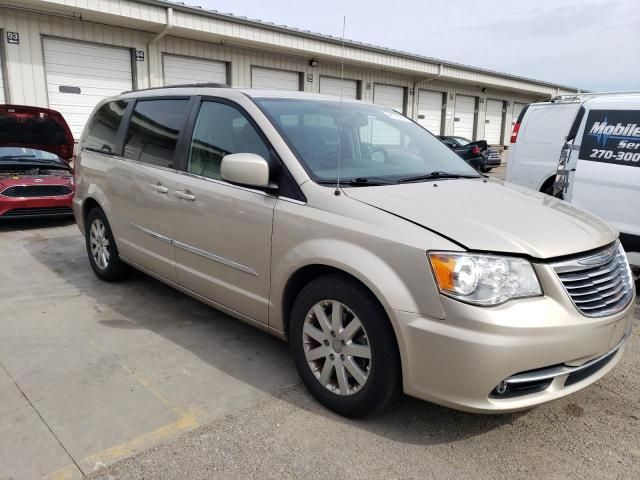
(347, 229)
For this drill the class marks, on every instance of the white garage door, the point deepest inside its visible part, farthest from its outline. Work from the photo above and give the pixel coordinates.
(179, 70)
(80, 74)
(2, 96)
(275, 79)
(430, 111)
(464, 116)
(389, 96)
(333, 86)
(493, 122)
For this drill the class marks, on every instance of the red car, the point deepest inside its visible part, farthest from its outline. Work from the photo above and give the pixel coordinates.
(36, 179)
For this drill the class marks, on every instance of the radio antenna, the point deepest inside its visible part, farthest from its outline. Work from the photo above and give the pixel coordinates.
(337, 190)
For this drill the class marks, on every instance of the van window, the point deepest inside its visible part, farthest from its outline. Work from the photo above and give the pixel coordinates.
(548, 124)
(154, 130)
(220, 130)
(103, 128)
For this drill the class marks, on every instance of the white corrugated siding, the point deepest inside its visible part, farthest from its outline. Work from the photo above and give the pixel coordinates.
(517, 108)
(186, 70)
(98, 71)
(493, 122)
(274, 79)
(464, 116)
(337, 87)
(2, 95)
(138, 15)
(430, 111)
(389, 96)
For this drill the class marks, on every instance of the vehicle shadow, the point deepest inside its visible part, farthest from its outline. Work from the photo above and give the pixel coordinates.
(239, 350)
(13, 224)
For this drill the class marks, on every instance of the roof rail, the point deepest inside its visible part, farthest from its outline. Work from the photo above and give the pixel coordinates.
(184, 85)
(580, 95)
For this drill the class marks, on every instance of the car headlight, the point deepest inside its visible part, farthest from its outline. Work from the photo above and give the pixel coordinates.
(483, 279)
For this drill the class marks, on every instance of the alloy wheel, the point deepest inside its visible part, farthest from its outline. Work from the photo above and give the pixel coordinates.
(99, 243)
(336, 347)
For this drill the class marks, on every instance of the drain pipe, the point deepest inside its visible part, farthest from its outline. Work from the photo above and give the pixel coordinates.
(414, 105)
(155, 62)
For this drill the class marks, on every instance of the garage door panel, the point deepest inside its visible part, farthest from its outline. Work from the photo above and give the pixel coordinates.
(99, 71)
(430, 111)
(334, 86)
(464, 116)
(389, 96)
(275, 79)
(493, 121)
(184, 70)
(88, 84)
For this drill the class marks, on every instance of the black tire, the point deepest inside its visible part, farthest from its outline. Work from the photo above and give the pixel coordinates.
(384, 374)
(115, 268)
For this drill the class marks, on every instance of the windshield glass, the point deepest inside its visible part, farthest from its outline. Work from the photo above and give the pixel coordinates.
(375, 144)
(25, 154)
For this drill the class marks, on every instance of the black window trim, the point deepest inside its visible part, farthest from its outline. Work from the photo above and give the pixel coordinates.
(127, 120)
(184, 144)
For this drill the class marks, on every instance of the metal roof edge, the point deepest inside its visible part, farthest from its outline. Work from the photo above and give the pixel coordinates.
(352, 43)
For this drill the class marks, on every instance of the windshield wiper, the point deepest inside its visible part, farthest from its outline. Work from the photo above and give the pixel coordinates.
(368, 181)
(358, 182)
(435, 175)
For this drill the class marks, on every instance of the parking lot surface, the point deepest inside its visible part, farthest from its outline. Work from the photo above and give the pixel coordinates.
(135, 380)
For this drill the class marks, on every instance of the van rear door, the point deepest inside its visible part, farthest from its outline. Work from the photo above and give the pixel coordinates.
(606, 181)
(533, 159)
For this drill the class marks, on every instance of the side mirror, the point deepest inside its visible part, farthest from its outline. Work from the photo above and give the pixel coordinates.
(245, 169)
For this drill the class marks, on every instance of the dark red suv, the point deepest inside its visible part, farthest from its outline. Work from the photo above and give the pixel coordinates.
(36, 179)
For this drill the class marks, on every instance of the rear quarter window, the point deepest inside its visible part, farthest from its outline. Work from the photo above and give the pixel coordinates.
(103, 127)
(547, 125)
(154, 129)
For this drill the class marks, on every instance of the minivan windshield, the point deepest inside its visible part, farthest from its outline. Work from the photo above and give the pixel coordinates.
(371, 144)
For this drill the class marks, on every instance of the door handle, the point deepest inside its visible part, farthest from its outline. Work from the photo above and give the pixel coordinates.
(185, 195)
(159, 188)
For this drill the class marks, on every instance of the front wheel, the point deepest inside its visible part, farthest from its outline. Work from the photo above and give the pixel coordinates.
(101, 248)
(344, 347)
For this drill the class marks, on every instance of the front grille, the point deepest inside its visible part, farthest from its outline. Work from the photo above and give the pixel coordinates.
(599, 284)
(36, 212)
(36, 191)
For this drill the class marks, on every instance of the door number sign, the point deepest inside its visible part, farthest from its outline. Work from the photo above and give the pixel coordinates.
(13, 38)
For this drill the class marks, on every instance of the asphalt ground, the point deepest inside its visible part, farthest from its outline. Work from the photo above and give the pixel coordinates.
(135, 380)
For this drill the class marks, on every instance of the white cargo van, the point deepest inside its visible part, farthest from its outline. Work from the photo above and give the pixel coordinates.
(536, 141)
(599, 167)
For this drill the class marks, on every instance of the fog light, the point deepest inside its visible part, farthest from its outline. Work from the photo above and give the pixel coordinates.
(501, 388)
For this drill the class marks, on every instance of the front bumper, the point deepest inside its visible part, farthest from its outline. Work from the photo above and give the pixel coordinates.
(459, 361)
(20, 207)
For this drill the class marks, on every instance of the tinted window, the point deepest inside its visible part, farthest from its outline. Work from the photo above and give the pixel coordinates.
(154, 130)
(104, 127)
(220, 130)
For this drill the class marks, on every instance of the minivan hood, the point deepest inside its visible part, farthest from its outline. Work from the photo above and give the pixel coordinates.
(491, 215)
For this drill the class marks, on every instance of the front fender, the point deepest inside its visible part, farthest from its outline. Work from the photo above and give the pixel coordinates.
(348, 257)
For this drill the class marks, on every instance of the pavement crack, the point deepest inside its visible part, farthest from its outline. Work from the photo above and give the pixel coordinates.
(13, 380)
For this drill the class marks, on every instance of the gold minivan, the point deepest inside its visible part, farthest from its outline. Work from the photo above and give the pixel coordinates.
(347, 229)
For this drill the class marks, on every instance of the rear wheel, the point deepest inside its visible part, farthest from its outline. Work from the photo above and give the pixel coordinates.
(344, 347)
(101, 248)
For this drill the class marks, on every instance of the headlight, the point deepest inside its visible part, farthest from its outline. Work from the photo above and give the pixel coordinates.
(483, 279)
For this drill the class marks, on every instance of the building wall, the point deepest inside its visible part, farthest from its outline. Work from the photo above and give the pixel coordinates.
(27, 81)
